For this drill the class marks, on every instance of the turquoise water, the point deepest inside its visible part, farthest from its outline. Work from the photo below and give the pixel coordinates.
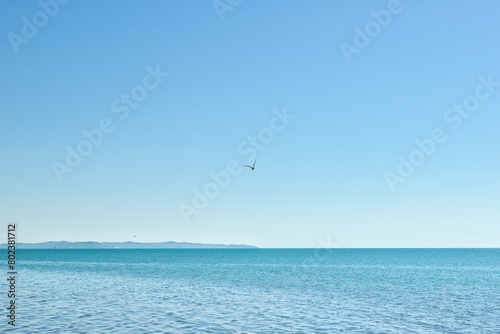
(257, 291)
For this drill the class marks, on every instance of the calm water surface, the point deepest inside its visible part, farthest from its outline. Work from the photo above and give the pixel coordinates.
(257, 291)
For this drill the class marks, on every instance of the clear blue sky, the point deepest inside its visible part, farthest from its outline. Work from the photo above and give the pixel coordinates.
(322, 177)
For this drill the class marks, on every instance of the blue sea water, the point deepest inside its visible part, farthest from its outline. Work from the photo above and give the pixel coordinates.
(257, 291)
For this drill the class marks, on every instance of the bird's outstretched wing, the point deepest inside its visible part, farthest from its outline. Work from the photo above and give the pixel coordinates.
(251, 167)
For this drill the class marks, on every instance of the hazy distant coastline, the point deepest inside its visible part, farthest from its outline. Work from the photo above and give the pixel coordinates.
(120, 245)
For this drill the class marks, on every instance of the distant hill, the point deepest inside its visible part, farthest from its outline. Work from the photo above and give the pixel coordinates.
(119, 245)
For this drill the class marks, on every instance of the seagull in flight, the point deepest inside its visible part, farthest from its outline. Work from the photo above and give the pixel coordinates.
(252, 167)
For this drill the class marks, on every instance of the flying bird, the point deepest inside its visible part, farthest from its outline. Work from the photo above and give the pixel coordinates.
(251, 167)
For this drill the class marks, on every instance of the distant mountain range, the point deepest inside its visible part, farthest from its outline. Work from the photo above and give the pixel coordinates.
(119, 245)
